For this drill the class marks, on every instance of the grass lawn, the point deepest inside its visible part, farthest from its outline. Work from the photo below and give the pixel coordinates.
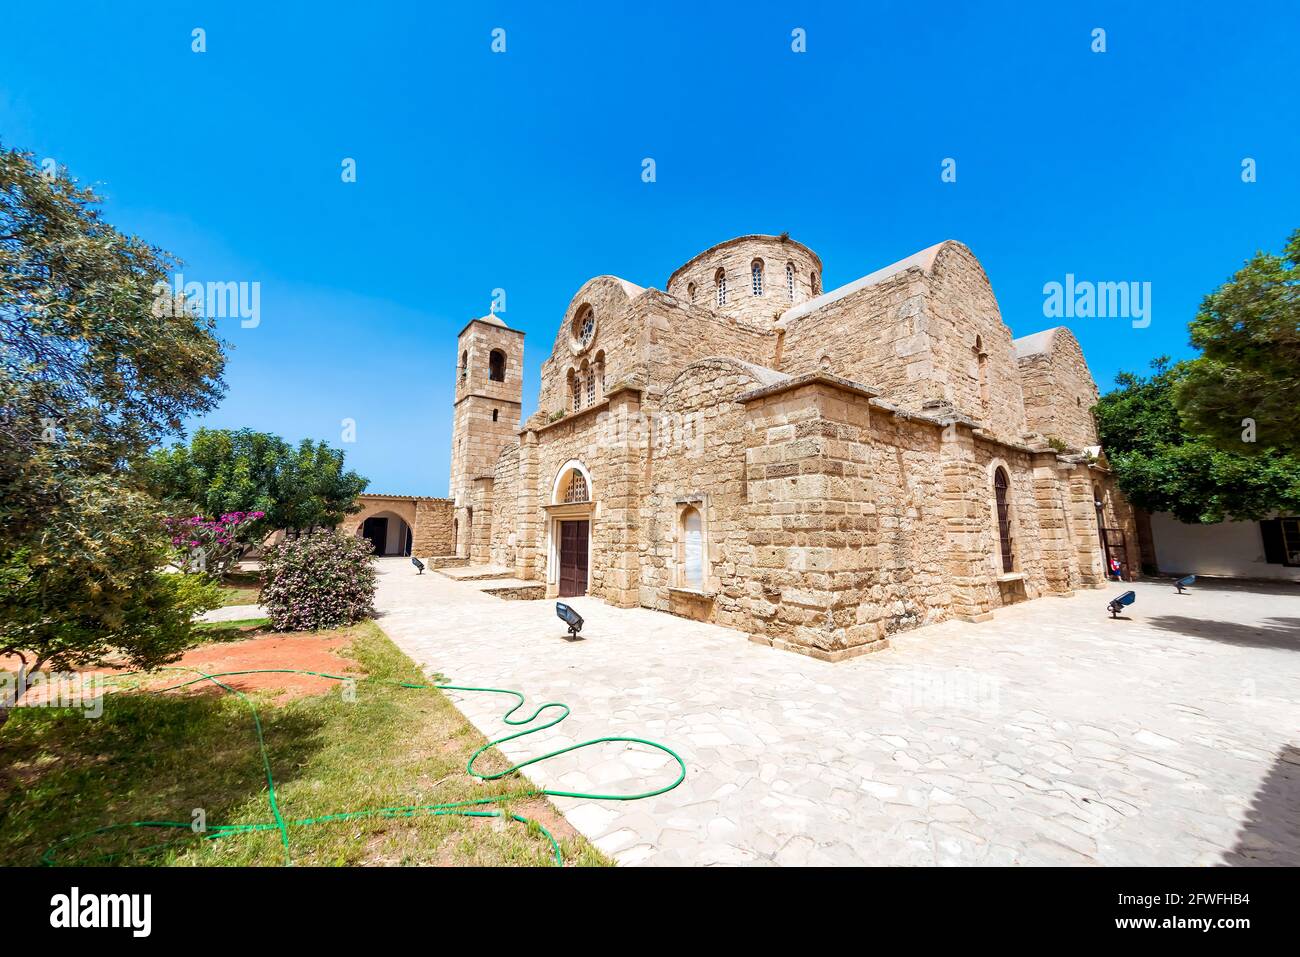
(240, 588)
(161, 756)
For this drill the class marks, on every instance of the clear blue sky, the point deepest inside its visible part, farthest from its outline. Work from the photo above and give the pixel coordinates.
(523, 170)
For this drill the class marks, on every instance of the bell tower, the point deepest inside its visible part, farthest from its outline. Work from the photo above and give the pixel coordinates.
(489, 390)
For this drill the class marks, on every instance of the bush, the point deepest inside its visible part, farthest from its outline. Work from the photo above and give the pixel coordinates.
(319, 580)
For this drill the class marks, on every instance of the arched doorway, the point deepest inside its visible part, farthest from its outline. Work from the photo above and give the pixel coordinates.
(569, 520)
(389, 533)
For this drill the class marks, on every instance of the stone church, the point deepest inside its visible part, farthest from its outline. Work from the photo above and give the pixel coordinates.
(818, 469)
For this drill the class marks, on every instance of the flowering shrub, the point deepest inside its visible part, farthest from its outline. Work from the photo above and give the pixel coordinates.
(213, 545)
(320, 580)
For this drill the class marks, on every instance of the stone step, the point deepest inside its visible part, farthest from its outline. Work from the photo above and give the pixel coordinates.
(473, 573)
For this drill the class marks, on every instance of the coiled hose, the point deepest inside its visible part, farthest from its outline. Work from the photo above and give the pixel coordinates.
(475, 808)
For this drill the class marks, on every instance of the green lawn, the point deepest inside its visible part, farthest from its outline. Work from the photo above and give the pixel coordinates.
(160, 756)
(240, 588)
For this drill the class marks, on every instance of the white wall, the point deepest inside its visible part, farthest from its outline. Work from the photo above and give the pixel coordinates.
(1228, 549)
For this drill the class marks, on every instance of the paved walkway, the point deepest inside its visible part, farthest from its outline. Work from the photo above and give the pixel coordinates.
(1050, 735)
(233, 613)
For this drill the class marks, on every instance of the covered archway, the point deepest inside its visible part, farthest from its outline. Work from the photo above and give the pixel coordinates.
(390, 534)
(569, 517)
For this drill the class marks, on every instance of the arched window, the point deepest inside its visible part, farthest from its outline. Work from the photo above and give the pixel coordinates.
(690, 292)
(464, 364)
(497, 366)
(575, 489)
(575, 393)
(789, 281)
(1006, 546)
(584, 324)
(720, 278)
(591, 386)
(494, 414)
(692, 554)
(756, 277)
(816, 283)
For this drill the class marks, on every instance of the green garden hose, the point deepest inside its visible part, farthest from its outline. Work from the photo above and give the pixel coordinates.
(474, 808)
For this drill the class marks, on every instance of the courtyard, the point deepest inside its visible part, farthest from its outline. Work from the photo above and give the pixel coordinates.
(1049, 735)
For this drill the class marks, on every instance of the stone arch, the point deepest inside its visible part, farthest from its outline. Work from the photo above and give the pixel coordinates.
(560, 485)
(1001, 558)
(391, 533)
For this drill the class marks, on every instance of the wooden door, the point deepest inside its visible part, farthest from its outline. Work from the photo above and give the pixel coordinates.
(573, 558)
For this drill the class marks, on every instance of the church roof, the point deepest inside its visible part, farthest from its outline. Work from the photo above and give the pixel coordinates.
(923, 260)
(1036, 344)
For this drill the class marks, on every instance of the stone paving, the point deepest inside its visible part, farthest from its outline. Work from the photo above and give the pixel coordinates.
(1049, 735)
(233, 613)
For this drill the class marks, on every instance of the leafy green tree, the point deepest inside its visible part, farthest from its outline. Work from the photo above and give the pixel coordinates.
(1161, 467)
(1249, 333)
(92, 375)
(224, 471)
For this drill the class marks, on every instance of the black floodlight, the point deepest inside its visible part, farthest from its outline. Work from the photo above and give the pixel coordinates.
(1119, 604)
(569, 617)
(418, 564)
(1187, 582)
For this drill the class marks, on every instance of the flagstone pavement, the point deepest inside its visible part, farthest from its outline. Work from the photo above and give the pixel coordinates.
(1049, 735)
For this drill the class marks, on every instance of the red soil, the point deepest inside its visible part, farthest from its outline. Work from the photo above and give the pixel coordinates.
(301, 651)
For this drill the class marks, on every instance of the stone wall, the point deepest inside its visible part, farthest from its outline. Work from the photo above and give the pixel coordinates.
(1059, 391)
(974, 358)
(429, 519)
(735, 259)
(697, 460)
(875, 335)
(926, 329)
(504, 540)
(433, 535)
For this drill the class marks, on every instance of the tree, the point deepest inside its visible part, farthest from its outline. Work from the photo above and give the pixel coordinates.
(90, 378)
(1249, 333)
(1162, 467)
(223, 471)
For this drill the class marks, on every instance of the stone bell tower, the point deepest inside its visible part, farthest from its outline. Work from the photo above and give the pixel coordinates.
(489, 390)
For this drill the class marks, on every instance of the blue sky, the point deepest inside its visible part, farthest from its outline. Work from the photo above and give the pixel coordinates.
(522, 170)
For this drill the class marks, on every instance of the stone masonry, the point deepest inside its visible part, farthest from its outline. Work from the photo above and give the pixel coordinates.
(818, 470)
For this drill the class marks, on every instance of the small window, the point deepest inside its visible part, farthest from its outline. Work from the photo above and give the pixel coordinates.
(464, 364)
(1001, 492)
(756, 277)
(789, 282)
(692, 553)
(591, 387)
(497, 366)
(816, 283)
(690, 292)
(494, 414)
(721, 279)
(575, 393)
